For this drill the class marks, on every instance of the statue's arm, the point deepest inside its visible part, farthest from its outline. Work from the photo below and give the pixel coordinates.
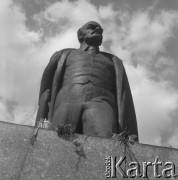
(48, 74)
(46, 86)
(43, 105)
(54, 91)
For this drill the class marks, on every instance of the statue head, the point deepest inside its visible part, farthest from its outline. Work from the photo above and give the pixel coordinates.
(90, 33)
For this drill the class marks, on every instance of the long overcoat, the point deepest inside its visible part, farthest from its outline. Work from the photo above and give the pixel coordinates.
(125, 107)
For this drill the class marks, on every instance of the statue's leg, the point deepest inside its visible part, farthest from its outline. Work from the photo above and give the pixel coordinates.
(99, 119)
(68, 114)
(68, 106)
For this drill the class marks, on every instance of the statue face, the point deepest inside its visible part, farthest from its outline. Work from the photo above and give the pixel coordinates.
(92, 33)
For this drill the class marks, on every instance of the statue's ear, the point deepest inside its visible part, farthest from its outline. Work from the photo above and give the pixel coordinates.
(80, 35)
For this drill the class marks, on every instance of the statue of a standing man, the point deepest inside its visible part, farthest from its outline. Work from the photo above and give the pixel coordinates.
(88, 89)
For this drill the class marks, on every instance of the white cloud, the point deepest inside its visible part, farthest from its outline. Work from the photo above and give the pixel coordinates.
(18, 63)
(70, 13)
(149, 34)
(154, 101)
(173, 139)
(107, 13)
(18, 44)
(11, 111)
(142, 34)
(4, 115)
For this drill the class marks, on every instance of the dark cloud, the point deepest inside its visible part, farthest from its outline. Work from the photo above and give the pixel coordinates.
(10, 106)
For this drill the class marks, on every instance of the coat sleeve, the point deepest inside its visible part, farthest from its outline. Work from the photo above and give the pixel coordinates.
(46, 86)
(48, 74)
(126, 111)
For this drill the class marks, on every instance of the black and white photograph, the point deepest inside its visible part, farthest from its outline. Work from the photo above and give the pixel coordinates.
(89, 89)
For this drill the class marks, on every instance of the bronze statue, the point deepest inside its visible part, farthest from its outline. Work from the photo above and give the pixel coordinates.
(88, 89)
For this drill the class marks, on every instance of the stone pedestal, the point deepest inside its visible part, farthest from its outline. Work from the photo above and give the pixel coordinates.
(77, 157)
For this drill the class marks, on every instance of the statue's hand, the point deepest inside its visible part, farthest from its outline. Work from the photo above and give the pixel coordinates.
(46, 124)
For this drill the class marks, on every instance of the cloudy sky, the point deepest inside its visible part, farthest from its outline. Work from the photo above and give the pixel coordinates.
(144, 34)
